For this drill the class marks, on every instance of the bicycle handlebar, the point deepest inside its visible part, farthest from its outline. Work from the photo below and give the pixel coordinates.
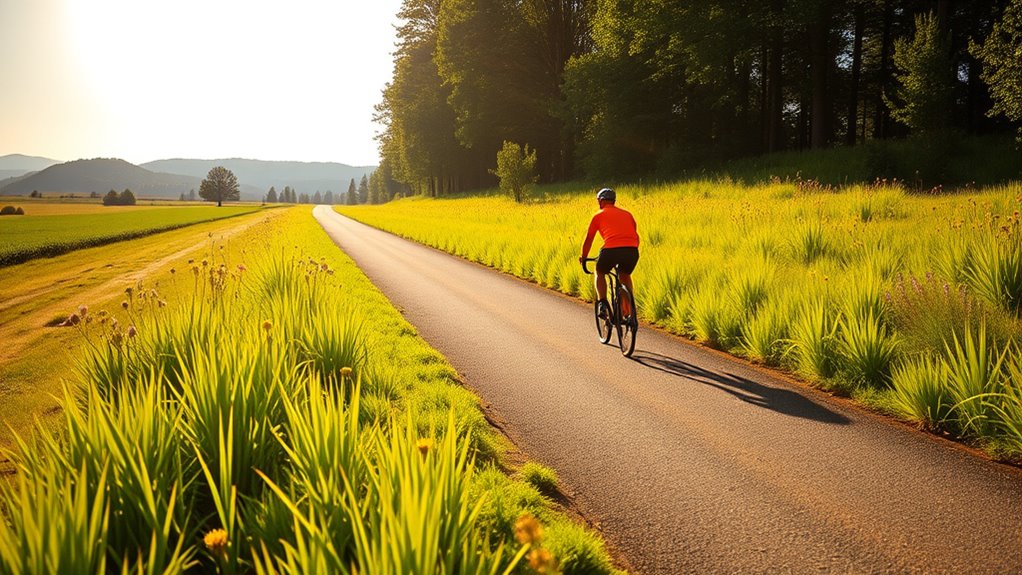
(585, 268)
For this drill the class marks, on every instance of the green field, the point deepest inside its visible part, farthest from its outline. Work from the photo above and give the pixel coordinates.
(261, 407)
(25, 237)
(909, 302)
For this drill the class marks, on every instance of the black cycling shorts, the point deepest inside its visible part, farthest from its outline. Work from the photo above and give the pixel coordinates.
(624, 258)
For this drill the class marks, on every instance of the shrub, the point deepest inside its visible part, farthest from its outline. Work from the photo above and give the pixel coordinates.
(8, 211)
(516, 169)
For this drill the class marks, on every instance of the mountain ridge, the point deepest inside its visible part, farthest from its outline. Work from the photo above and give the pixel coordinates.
(172, 177)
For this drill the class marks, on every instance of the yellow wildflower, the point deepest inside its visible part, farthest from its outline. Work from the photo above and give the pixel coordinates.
(528, 530)
(541, 561)
(424, 445)
(216, 541)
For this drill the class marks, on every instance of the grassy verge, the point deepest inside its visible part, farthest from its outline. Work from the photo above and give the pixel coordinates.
(23, 238)
(264, 409)
(908, 302)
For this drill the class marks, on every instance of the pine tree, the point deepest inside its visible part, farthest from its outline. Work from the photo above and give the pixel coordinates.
(363, 190)
(352, 193)
(271, 196)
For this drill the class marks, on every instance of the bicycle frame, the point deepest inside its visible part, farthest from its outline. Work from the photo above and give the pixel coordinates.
(627, 326)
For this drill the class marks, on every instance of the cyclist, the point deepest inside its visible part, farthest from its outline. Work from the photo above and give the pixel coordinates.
(620, 244)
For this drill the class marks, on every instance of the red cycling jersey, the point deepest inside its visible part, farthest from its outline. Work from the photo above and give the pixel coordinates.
(616, 227)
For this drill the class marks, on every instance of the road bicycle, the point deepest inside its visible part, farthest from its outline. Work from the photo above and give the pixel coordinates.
(622, 316)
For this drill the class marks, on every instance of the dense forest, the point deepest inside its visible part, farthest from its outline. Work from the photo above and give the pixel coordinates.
(622, 88)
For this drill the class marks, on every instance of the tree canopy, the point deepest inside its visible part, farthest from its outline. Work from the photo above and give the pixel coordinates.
(618, 89)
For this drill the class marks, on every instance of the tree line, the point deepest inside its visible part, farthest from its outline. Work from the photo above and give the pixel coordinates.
(622, 88)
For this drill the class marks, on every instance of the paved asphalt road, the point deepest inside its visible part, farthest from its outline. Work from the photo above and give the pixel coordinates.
(691, 462)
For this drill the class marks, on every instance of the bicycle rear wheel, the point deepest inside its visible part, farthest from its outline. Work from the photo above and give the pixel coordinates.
(628, 321)
(603, 324)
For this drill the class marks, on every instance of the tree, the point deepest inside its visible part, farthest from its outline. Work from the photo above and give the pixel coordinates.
(112, 198)
(352, 193)
(317, 198)
(126, 198)
(219, 186)
(516, 169)
(191, 195)
(363, 190)
(328, 198)
(923, 101)
(182, 198)
(1001, 55)
(271, 196)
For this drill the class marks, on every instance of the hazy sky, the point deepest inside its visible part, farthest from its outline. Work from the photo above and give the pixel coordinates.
(150, 79)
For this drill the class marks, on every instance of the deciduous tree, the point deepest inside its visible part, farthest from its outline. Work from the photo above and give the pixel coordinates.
(219, 186)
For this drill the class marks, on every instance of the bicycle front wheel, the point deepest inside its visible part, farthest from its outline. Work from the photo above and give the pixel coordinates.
(604, 325)
(628, 321)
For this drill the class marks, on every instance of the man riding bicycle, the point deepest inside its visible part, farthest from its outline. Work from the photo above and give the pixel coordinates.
(620, 244)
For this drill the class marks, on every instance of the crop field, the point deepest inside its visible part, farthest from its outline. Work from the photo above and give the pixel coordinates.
(910, 303)
(31, 236)
(261, 407)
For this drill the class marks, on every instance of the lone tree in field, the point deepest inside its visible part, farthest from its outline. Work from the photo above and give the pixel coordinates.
(220, 185)
(516, 169)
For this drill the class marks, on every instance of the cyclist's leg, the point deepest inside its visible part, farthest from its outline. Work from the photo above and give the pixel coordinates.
(626, 265)
(626, 280)
(601, 286)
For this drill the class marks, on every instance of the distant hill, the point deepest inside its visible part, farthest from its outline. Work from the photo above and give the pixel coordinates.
(305, 177)
(17, 165)
(101, 175)
(24, 164)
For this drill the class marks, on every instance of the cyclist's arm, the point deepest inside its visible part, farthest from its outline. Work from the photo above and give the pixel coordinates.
(590, 235)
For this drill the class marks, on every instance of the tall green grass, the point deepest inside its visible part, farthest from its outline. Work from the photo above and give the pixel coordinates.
(853, 287)
(263, 425)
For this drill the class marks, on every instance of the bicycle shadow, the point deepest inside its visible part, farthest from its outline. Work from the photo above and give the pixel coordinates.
(781, 400)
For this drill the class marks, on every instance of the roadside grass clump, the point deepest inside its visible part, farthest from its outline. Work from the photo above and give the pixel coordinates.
(920, 393)
(814, 344)
(995, 270)
(539, 476)
(222, 433)
(867, 348)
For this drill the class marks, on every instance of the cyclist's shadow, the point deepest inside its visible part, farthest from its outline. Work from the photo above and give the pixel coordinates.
(777, 399)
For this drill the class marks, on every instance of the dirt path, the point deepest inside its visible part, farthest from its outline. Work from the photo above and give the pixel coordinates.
(691, 462)
(36, 293)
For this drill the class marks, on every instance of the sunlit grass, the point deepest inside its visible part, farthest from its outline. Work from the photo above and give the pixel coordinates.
(846, 286)
(263, 414)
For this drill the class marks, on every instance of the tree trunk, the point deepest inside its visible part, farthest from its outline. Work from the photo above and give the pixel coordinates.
(882, 119)
(775, 93)
(820, 60)
(853, 91)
